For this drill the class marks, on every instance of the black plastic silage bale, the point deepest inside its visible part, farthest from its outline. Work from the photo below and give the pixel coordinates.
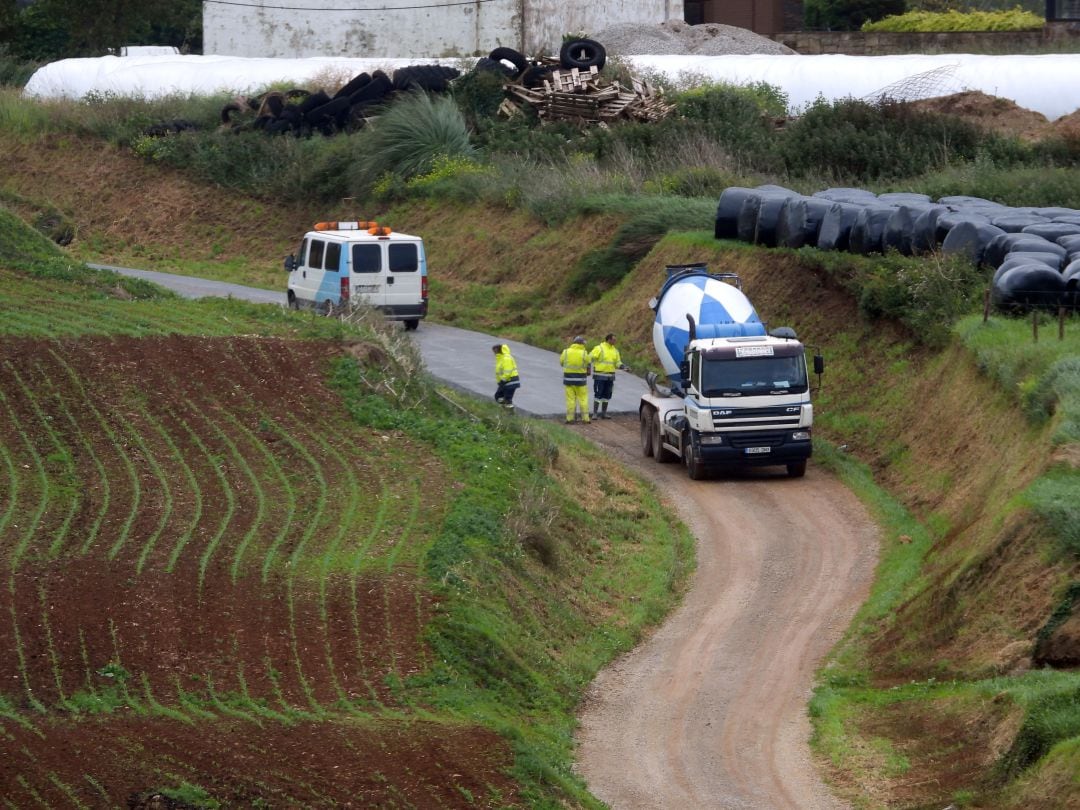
(835, 230)
(970, 239)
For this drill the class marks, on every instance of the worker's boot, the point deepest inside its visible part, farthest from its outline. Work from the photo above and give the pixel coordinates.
(604, 414)
(595, 407)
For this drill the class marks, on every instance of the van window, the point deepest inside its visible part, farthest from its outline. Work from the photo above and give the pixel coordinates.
(314, 259)
(403, 258)
(301, 254)
(366, 258)
(332, 260)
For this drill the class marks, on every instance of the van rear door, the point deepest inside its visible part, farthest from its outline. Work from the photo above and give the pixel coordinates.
(404, 283)
(367, 276)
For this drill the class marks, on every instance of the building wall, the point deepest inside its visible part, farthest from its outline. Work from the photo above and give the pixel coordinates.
(266, 29)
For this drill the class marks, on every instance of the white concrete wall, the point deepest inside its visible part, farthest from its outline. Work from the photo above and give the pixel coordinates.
(441, 28)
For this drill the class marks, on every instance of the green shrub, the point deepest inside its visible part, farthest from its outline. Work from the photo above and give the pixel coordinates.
(865, 141)
(1015, 19)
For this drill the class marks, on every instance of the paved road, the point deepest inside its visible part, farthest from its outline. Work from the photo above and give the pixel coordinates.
(456, 357)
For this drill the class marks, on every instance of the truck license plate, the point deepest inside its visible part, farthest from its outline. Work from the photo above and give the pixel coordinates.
(758, 450)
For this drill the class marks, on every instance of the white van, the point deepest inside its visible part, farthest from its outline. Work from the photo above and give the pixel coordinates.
(343, 263)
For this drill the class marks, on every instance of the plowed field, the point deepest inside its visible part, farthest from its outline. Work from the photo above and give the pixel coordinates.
(203, 557)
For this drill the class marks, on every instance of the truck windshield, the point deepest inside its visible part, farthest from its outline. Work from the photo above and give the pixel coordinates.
(753, 376)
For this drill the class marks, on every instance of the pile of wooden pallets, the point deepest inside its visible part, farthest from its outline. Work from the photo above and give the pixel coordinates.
(585, 97)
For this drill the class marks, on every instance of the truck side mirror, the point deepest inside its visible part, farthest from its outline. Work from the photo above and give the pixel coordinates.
(819, 364)
(684, 371)
(290, 263)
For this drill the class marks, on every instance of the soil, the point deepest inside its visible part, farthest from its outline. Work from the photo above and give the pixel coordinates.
(186, 524)
(1000, 115)
(711, 710)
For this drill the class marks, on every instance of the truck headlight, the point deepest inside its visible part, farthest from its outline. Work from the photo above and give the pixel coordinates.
(800, 436)
(712, 438)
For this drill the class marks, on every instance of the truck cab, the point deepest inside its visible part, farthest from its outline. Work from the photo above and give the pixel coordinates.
(341, 264)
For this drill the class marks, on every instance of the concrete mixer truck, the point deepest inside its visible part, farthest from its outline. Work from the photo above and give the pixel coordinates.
(738, 394)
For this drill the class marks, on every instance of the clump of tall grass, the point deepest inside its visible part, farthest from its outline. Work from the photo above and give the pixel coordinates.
(407, 138)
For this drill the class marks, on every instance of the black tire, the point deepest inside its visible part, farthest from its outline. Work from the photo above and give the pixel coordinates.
(293, 303)
(375, 90)
(582, 54)
(432, 78)
(515, 58)
(228, 110)
(354, 84)
(695, 468)
(314, 101)
(645, 420)
(487, 65)
(411, 324)
(328, 309)
(535, 75)
(797, 469)
(327, 112)
(660, 453)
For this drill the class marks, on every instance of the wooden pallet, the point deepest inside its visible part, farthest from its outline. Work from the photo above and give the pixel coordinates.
(571, 81)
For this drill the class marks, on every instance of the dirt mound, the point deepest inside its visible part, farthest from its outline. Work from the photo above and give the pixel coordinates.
(990, 113)
(1067, 127)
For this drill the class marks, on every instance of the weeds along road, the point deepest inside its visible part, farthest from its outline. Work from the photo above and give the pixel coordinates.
(711, 710)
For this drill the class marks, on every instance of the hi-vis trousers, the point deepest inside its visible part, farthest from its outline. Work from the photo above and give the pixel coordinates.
(577, 397)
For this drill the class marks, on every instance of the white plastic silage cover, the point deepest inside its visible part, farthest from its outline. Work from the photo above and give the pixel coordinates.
(1048, 84)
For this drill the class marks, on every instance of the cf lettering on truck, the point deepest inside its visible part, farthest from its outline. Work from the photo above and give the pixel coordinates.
(341, 264)
(739, 395)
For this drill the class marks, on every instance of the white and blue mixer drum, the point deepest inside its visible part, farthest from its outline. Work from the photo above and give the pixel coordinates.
(719, 309)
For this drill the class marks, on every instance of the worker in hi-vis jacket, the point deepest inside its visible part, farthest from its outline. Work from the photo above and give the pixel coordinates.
(605, 359)
(507, 380)
(575, 365)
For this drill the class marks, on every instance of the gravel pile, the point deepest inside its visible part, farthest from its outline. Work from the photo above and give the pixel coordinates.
(677, 37)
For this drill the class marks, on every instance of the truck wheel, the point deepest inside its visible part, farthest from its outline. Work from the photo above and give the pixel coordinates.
(411, 324)
(660, 453)
(694, 466)
(797, 469)
(646, 433)
(327, 308)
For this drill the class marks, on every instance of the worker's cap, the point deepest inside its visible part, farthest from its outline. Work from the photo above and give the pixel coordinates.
(579, 339)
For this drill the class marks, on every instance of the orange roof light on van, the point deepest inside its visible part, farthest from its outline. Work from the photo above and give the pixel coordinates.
(360, 225)
(377, 230)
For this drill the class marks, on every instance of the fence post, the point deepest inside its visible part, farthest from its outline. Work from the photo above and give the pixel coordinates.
(1061, 323)
(986, 305)
(1035, 325)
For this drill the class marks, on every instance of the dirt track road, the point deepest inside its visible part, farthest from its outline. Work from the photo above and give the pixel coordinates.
(710, 712)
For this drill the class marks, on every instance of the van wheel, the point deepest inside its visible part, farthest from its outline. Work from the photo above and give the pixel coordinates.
(411, 324)
(797, 469)
(327, 308)
(293, 303)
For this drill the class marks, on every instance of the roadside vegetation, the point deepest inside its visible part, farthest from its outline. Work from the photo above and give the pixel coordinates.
(961, 434)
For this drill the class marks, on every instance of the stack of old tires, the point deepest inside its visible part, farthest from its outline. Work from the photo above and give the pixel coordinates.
(1034, 252)
(515, 66)
(302, 113)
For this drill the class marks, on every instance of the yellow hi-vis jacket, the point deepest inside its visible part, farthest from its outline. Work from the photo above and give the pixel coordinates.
(605, 359)
(575, 363)
(505, 368)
